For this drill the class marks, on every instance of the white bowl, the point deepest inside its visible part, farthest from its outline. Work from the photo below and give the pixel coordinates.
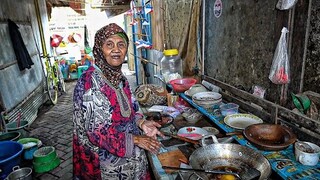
(195, 89)
(206, 96)
(193, 117)
(308, 156)
(207, 104)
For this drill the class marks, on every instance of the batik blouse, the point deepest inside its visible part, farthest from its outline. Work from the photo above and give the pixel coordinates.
(104, 124)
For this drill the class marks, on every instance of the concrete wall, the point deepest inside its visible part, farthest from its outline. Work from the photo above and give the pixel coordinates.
(312, 65)
(240, 45)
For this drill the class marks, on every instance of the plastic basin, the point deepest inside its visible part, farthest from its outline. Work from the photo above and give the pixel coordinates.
(229, 108)
(10, 136)
(13, 126)
(181, 85)
(10, 156)
(18, 126)
(30, 145)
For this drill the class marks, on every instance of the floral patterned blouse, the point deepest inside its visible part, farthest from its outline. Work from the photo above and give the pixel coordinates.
(104, 124)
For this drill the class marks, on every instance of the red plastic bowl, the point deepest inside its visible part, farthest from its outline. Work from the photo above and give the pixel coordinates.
(183, 84)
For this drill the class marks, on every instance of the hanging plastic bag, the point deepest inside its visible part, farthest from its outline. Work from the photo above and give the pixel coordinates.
(279, 72)
(286, 4)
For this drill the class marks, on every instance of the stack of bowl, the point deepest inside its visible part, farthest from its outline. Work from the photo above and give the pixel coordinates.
(207, 99)
(195, 89)
(45, 159)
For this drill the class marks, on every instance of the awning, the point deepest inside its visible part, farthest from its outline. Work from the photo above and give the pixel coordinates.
(114, 7)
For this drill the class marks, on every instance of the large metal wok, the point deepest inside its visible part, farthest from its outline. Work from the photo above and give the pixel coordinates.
(271, 137)
(233, 157)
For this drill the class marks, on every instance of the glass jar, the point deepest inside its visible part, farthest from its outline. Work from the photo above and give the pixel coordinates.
(171, 65)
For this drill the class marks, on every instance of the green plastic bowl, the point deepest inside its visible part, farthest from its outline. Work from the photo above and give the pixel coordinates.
(301, 101)
(44, 155)
(24, 141)
(45, 167)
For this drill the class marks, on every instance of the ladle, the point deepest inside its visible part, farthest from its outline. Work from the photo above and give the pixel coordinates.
(249, 174)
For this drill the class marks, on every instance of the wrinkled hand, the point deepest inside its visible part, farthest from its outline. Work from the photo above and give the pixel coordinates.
(150, 128)
(147, 143)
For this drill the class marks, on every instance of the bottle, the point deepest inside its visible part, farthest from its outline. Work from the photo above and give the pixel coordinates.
(171, 65)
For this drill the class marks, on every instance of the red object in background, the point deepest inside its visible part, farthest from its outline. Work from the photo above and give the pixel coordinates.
(55, 40)
(181, 85)
(281, 76)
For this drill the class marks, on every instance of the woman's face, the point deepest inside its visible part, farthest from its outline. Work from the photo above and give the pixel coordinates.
(115, 50)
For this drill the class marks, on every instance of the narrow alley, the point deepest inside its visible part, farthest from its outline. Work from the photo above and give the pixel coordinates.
(53, 127)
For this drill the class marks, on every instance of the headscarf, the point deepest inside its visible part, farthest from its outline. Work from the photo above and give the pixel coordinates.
(112, 73)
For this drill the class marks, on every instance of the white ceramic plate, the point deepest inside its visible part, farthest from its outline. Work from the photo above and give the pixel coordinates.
(191, 132)
(241, 121)
(206, 96)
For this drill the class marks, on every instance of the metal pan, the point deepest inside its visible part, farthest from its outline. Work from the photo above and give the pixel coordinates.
(230, 157)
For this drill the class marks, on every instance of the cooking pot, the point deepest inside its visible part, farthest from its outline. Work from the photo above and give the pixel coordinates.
(228, 157)
(18, 173)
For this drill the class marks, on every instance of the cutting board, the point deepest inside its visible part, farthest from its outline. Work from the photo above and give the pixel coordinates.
(171, 158)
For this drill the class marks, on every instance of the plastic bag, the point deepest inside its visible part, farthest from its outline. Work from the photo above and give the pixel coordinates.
(279, 72)
(286, 4)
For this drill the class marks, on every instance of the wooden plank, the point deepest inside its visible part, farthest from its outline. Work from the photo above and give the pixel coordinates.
(172, 159)
(300, 119)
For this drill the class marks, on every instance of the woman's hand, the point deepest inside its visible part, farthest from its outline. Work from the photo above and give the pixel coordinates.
(147, 143)
(150, 128)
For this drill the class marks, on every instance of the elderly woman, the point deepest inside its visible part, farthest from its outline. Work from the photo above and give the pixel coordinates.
(108, 142)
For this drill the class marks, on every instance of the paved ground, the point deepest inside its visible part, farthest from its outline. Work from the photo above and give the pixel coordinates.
(54, 126)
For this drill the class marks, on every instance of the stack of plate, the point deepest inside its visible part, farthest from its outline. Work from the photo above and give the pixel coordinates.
(207, 99)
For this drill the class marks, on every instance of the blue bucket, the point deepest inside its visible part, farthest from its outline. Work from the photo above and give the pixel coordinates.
(10, 155)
